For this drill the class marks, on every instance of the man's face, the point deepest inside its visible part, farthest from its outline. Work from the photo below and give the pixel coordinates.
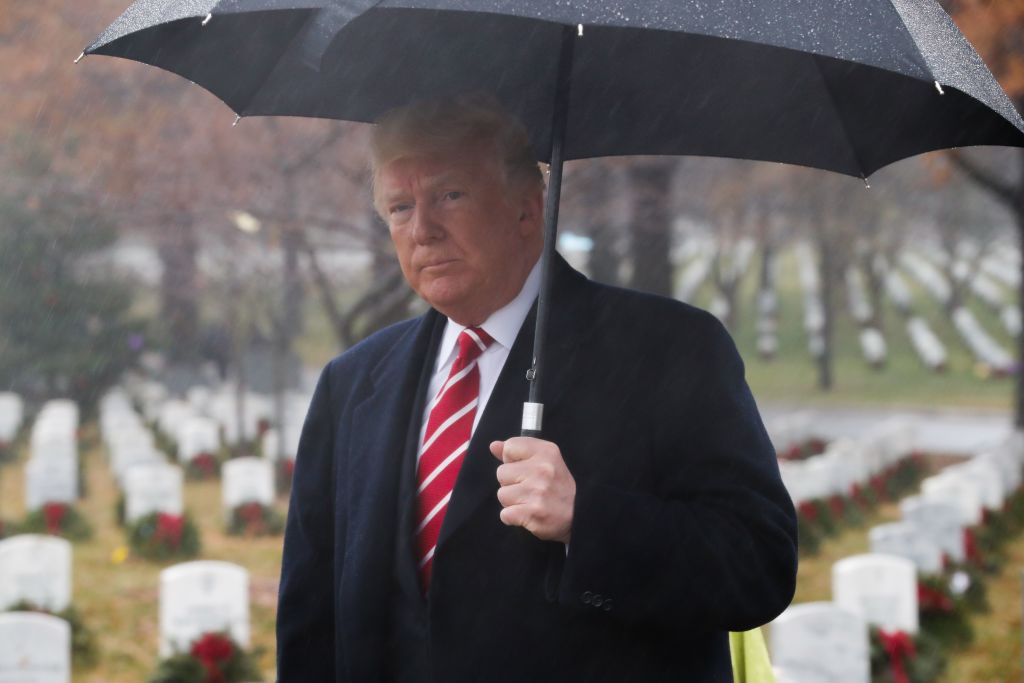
(465, 242)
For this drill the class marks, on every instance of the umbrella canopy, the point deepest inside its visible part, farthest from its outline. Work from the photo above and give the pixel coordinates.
(831, 84)
(842, 86)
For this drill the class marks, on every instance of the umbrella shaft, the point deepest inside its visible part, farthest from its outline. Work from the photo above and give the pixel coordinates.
(531, 414)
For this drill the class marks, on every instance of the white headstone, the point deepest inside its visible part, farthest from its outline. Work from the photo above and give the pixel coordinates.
(34, 648)
(962, 492)
(11, 413)
(200, 597)
(880, 588)
(818, 642)
(152, 488)
(35, 568)
(197, 435)
(50, 480)
(939, 521)
(988, 479)
(124, 459)
(247, 480)
(904, 539)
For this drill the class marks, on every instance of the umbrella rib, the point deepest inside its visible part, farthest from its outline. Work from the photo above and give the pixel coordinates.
(839, 116)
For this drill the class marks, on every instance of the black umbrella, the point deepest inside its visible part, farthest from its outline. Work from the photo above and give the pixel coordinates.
(832, 84)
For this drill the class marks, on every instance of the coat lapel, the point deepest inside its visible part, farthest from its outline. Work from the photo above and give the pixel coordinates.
(477, 480)
(379, 439)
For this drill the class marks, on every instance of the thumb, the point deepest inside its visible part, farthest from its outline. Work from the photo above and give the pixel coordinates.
(497, 448)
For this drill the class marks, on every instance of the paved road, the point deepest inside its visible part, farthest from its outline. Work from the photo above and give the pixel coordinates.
(938, 430)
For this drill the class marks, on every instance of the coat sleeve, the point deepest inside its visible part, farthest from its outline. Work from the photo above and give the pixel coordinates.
(713, 545)
(305, 614)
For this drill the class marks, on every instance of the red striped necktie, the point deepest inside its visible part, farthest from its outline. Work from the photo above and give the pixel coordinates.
(445, 442)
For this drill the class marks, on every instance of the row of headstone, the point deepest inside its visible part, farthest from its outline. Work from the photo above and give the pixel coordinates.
(147, 481)
(829, 641)
(814, 307)
(847, 462)
(857, 296)
(922, 270)
(207, 417)
(873, 347)
(195, 598)
(1005, 270)
(767, 326)
(51, 473)
(767, 309)
(985, 349)
(898, 290)
(991, 294)
(157, 486)
(1011, 318)
(693, 276)
(790, 431)
(12, 412)
(926, 343)
(128, 441)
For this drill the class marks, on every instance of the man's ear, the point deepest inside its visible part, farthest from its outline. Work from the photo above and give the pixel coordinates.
(531, 216)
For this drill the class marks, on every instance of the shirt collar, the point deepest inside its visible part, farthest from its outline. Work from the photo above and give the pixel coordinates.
(503, 325)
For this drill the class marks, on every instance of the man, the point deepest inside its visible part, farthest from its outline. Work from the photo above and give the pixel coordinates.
(426, 542)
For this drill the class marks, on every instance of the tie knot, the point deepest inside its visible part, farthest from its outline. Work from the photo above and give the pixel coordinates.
(472, 342)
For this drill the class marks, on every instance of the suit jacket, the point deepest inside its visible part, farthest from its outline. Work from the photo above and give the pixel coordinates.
(682, 529)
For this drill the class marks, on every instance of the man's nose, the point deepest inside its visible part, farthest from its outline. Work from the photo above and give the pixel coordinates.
(426, 226)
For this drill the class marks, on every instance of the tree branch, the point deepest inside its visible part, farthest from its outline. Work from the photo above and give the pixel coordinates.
(983, 177)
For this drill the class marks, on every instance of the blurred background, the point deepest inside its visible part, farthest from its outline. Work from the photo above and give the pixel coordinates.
(153, 255)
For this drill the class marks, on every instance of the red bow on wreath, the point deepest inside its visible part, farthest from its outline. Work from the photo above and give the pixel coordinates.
(808, 510)
(933, 600)
(213, 650)
(898, 647)
(53, 514)
(169, 528)
(971, 549)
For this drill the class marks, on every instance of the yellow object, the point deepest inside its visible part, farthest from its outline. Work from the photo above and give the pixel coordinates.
(119, 555)
(750, 663)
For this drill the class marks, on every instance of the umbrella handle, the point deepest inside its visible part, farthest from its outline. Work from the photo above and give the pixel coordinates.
(533, 418)
(533, 409)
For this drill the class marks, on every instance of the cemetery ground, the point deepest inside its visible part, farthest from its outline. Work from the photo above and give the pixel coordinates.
(994, 656)
(118, 601)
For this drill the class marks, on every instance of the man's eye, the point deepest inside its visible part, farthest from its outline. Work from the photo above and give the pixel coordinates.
(398, 208)
(453, 194)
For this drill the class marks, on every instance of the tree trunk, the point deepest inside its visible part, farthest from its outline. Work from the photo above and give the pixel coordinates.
(826, 271)
(603, 262)
(651, 243)
(179, 297)
(1018, 419)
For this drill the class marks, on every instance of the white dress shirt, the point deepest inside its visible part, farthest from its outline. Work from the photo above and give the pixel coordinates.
(503, 325)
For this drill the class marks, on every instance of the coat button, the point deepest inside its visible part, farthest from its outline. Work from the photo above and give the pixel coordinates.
(587, 597)
(607, 606)
(597, 601)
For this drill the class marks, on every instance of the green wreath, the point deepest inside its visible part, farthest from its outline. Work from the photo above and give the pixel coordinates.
(57, 519)
(255, 519)
(211, 658)
(160, 536)
(924, 662)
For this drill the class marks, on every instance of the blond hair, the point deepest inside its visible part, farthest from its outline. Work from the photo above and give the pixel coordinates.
(449, 124)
